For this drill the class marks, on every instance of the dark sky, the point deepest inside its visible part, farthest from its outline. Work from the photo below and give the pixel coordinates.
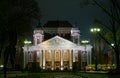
(72, 11)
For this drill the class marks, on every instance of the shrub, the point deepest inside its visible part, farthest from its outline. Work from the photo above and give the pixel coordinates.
(34, 68)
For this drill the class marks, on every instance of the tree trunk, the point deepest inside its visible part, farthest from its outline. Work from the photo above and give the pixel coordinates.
(5, 61)
(5, 71)
(117, 58)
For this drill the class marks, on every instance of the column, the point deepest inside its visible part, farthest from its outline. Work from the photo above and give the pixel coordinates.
(27, 61)
(43, 59)
(61, 60)
(35, 41)
(52, 59)
(35, 56)
(24, 59)
(87, 57)
(78, 39)
(71, 58)
(79, 58)
(90, 57)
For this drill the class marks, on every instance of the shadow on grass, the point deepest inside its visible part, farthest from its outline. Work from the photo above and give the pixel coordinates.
(48, 74)
(55, 74)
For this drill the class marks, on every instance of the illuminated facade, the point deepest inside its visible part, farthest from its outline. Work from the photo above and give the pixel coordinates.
(57, 52)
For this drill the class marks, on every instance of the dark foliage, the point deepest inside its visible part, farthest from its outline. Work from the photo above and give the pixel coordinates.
(15, 22)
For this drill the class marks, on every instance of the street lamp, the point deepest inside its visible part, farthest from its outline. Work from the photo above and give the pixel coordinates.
(84, 62)
(95, 30)
(85, 41)
(112, 44)
(27, 43)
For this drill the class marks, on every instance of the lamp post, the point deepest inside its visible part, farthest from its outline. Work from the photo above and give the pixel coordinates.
(95, 30)
(84, 62)
(27, 43)
(85, 42)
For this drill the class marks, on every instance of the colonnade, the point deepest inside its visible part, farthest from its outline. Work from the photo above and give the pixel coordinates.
(64, 59)
(59, 59)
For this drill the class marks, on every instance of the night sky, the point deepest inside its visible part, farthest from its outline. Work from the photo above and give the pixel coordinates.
(71, 11)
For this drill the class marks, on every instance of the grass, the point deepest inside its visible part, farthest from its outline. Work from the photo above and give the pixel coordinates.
(98, 75)
(52, 74)
(93, 75)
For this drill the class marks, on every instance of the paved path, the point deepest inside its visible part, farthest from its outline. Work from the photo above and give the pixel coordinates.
(67, 76)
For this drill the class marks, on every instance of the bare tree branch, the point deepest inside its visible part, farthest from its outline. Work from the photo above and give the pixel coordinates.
(106, 11)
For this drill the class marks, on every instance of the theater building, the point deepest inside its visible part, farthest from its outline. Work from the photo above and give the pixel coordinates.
(56, 47)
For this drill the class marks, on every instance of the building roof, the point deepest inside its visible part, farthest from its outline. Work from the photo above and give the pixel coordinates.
(57, 42)
(39, 27)
(57, 24)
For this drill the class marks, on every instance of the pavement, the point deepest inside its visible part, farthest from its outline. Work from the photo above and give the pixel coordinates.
(63, 76)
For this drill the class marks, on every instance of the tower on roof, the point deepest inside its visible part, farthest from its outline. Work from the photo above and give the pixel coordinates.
(38, 34)
(75, 35)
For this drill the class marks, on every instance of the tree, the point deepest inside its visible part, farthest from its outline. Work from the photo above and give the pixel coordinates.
(112, 10)
(16, 17)
(114, 13)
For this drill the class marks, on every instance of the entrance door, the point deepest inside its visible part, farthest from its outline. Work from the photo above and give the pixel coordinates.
(48, 65)
(57, 59)
(66, 65)
(57, 65)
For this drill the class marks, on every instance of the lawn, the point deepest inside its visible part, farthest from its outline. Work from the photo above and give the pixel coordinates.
(59, 75)
(97, 75)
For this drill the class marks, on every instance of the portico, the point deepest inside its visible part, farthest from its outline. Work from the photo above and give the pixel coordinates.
(56, 59)
(57, 53)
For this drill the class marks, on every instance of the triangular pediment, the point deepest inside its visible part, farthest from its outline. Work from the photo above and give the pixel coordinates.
(57, 42)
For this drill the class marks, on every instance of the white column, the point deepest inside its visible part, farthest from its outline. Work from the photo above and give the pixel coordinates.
(61, 54)
(35, 40)
(43, 59)
(25, 51)
(71, 55)
(52, 59)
